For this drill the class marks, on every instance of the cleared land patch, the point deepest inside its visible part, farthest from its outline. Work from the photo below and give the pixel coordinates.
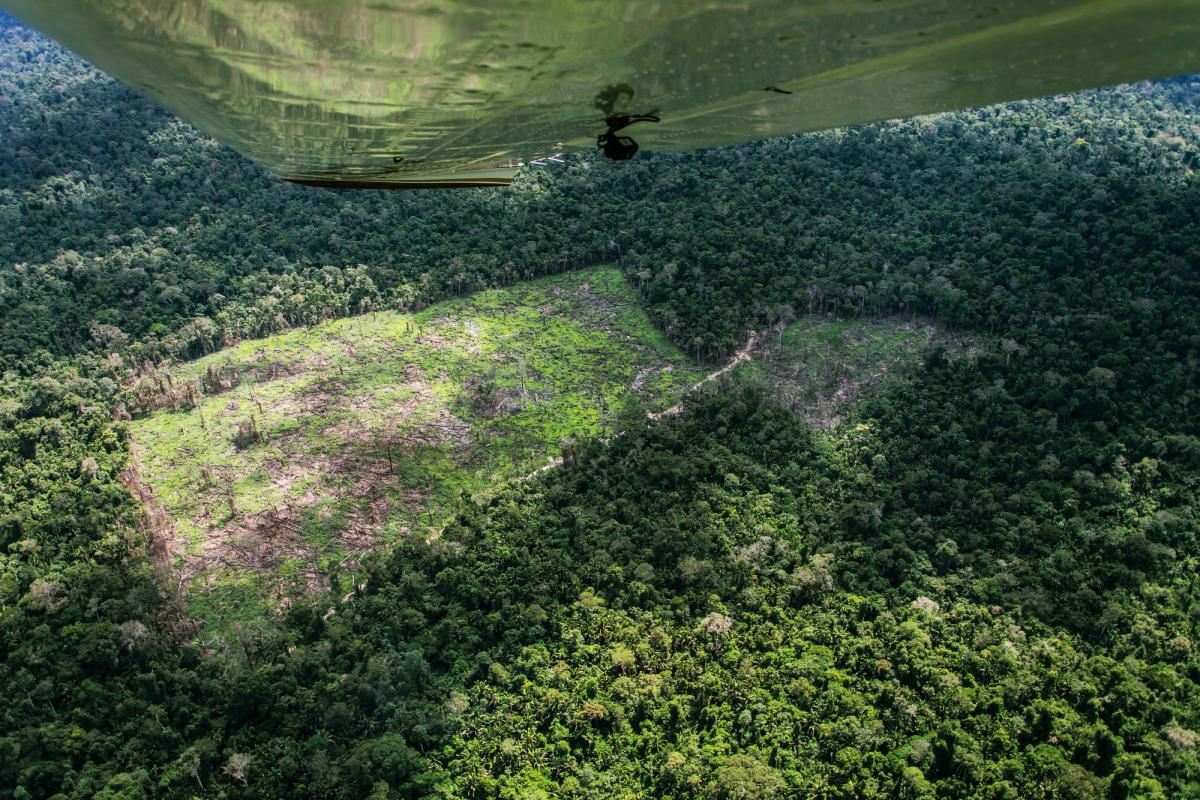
(818, 366)
(295, 452)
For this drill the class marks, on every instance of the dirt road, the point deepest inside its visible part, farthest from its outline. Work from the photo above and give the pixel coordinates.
(737, 358)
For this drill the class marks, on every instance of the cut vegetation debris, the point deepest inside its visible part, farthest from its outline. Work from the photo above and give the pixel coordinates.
(820, 367)
(286, 455)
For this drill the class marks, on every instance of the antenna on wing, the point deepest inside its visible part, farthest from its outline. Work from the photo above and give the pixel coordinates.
(621, 148)
(618, 148)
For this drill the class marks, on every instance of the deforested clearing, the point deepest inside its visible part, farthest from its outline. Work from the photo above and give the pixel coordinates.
(289, 454)
(821, 367)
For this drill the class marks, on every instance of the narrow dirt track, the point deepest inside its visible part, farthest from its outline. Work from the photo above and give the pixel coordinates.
(737, 358)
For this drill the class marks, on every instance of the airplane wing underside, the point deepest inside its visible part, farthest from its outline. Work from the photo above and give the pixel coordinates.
(416, 93)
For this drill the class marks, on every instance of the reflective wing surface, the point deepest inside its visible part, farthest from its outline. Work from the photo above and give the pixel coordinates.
(450, 93)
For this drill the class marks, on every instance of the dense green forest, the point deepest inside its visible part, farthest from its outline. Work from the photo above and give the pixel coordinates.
(982, 583)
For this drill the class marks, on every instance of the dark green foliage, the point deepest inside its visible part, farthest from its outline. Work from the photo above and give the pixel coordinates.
(984, 585)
